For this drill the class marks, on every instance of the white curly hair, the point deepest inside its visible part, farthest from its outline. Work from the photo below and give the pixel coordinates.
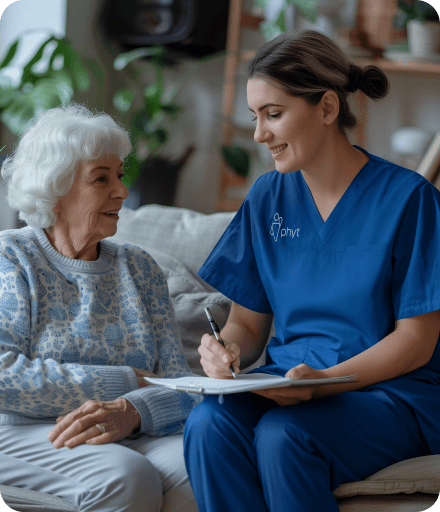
(43, 166)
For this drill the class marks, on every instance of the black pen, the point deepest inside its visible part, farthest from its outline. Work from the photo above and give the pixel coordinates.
(216, 332)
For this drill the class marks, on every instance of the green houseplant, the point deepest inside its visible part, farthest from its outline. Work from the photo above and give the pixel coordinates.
(48, 79)
(417, 10)
(56, 72)
(153, 176)
(423, 27)
(275, 27)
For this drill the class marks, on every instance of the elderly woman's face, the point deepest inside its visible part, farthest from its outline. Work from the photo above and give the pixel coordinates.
(87, 211)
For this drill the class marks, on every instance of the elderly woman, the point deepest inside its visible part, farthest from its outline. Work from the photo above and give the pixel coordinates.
(82, 320)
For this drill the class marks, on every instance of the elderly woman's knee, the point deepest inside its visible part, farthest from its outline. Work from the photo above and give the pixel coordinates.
(130, 478)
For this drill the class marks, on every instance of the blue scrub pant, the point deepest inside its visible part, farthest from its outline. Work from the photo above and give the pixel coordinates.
(249, 454)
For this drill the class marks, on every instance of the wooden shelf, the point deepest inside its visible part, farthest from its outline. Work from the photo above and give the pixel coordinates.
(427, 68)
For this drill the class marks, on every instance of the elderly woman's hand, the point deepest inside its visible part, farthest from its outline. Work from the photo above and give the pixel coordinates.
(117, 419)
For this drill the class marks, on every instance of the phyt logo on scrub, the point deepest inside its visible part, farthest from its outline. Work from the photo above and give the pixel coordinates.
(276, 229)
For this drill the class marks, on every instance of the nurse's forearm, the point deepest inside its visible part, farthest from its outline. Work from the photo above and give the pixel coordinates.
(250, 348)
(249, 330)
(409, 347)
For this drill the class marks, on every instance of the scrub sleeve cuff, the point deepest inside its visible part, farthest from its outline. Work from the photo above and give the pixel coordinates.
(233, 293)
(418, 309)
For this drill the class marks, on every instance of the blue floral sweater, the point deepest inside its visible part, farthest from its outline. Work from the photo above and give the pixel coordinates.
(70, 331)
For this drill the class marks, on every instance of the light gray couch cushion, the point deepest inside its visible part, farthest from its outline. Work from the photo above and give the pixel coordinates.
(189, 295)
(188, 235)
(180, 240)
(421, 474)
(390, 503)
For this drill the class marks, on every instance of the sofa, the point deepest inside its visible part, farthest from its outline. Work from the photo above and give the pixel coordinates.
(180, 240)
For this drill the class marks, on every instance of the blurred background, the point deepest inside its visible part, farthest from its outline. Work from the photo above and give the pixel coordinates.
(173, 73)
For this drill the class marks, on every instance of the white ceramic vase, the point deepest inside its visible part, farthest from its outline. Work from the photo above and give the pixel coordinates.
(423, 37)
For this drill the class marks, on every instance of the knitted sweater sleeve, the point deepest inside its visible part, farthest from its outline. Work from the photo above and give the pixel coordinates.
(163, 411)
(32, 385)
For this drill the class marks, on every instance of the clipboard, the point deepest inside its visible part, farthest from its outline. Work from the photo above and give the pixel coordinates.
(246, 382)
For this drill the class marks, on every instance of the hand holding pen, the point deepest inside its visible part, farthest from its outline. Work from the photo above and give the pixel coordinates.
(216, 332)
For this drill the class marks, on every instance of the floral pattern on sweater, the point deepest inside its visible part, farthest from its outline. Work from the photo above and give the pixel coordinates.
(71, 331)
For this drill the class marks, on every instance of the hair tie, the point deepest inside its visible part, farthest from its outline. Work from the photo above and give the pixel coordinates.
(354, 78)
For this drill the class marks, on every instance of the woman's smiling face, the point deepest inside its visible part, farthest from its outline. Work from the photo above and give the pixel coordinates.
(290, 127)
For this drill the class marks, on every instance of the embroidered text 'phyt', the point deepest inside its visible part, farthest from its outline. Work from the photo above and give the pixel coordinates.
(276, 229)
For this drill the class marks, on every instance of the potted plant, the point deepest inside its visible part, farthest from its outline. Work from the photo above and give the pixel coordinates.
(49, 79)
(151, 176)
(423, 27)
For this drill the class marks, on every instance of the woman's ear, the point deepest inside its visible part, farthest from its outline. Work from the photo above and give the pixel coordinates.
(330, 107)
(57, 208)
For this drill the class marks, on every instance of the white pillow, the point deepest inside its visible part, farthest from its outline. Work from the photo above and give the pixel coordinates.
(188, 235)
(189, 295)
(421, 474)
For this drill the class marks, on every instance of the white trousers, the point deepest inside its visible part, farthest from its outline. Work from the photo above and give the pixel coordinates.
(142, 475)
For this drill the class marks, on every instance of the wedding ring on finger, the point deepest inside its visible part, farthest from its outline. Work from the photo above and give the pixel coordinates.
(100, 427)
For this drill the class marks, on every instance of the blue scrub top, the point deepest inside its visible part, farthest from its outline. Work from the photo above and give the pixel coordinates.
(337, 287)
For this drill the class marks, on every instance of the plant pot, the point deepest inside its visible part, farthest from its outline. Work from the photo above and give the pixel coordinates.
(423, 37)
(377, 20)
(157, 182)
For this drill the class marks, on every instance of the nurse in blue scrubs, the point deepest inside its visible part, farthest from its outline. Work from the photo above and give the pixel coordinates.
(342, 249)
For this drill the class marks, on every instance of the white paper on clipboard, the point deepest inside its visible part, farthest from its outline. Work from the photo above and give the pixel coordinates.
(245, 382)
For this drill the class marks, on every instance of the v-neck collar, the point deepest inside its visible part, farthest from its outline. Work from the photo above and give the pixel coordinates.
(324, 229)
